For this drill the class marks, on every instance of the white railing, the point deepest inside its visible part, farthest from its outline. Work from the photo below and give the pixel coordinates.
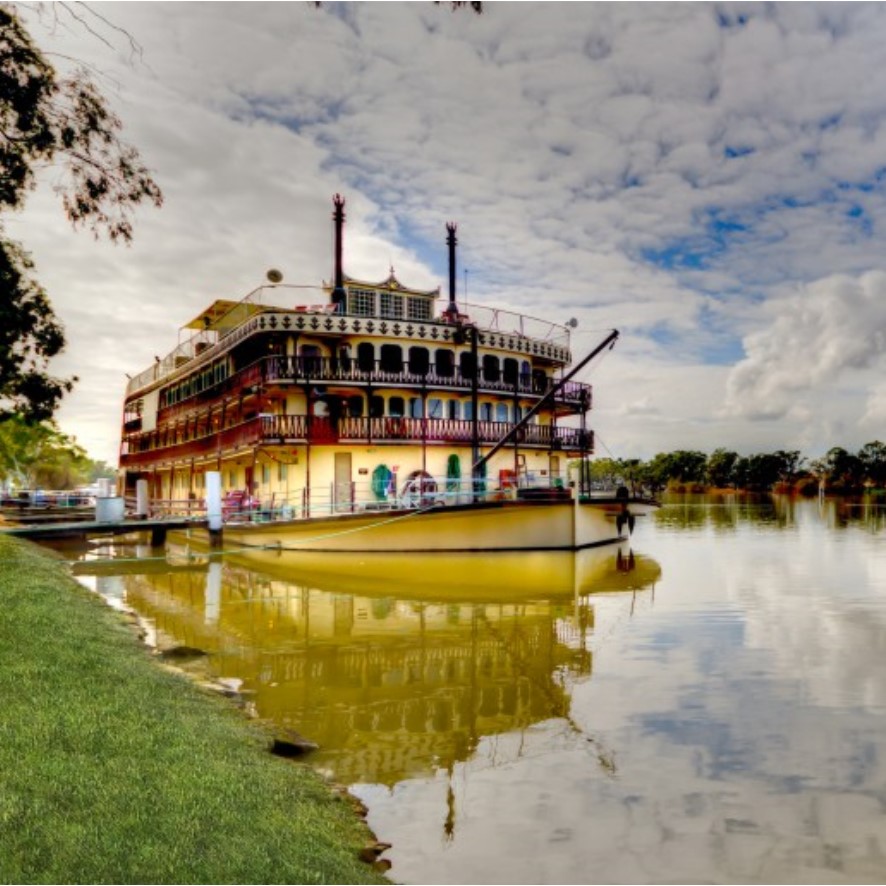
(398, 493)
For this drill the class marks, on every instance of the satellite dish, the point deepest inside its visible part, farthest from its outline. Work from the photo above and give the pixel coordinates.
(275, 276)
(572, 322)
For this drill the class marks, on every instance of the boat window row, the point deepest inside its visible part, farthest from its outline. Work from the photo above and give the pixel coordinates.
(418, 361)
(209, 377)
(396, 406)
(389, 305)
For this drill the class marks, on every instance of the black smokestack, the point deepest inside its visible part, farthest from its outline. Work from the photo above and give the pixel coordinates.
(452, 309)
(338, 215)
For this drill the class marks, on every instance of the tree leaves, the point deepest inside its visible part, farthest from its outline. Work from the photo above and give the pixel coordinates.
(30, 335)
(64, 121)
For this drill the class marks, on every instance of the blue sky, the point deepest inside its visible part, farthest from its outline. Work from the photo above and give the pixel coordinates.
(707, 178)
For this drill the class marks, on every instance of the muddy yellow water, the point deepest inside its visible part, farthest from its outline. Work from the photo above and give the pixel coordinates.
(708, 705)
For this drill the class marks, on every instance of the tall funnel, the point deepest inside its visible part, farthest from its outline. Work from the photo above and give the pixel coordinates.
(338, 215)
(452, 308)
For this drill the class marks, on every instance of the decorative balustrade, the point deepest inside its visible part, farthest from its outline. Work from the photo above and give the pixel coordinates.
(329, 370)
(318, 430)
(326, 370)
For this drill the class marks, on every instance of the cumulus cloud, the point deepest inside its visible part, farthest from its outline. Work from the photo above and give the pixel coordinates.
(815, 336)
(666, 169)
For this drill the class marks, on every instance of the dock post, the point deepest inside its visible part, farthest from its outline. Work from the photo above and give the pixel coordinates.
(214, 508)
(142, 502)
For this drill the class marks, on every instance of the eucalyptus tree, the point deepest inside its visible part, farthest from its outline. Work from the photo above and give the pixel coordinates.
(873, 459)
(39, 454)
(48, 119)
(720, 467)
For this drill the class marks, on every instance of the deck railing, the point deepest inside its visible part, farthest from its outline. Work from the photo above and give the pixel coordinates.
(413, 492)
(329, 370)
(319, 430)
(379, 373)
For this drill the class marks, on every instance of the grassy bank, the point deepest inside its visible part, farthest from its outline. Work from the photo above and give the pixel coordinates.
(115, 770)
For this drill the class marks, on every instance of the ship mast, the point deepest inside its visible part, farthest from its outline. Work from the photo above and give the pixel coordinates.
(609, 342)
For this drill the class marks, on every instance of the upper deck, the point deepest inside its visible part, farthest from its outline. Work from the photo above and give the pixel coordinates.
(385, 310)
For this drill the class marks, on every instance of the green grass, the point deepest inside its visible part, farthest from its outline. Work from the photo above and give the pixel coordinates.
(113, 769)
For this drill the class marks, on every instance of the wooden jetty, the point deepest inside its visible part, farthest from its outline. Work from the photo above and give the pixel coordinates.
(88, 528)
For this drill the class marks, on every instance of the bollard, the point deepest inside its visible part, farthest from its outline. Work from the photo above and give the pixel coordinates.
(214, 508)
(142, 501)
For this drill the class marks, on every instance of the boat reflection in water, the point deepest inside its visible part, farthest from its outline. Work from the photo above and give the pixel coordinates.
(396, 665)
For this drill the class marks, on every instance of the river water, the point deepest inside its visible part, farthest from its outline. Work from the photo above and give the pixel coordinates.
(706, 705)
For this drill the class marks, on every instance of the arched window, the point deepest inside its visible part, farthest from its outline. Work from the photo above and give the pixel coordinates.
(376, 406)
(396, 407)
(501, 411)
(391, 358)
(419, 361)
(365, 356)
(511, 370)
(466, 364)
(485, 412)
(491, 371)
(415, 407)
(453, 409)
(445, 363)
(311, 360)
(525, 375)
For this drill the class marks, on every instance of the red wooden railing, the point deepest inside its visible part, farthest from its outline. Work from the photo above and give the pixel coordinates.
(319, 430)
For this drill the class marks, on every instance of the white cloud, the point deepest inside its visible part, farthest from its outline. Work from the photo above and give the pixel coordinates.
(815, 336)
(634, 166)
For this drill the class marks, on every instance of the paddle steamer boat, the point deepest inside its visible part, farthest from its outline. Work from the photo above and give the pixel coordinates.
(374, 421)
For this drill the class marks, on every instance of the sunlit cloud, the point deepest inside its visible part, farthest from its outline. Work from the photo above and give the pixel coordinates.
(707, 178)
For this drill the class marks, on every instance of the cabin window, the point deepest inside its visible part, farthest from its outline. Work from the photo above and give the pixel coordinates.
(419, 309)
(266, 474)
(445, 363)
(539, 381)
(501, 412)
(485, 412)
(396, 407)
(361, 302)
(391, 358)
(466, 364)
(511, 370)
(282, 472)
(391, 305)
(311, 359)
(491, 370)
(355, 406)
(467, 410)
(419, 361)
(435, 408)
(344, 358)
(415, 407)
(365, 356)
(376, 406)
(518, 413)
(525, 373)
(232, 479)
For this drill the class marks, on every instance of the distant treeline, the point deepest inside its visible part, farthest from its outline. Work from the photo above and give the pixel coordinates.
(784, 470)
